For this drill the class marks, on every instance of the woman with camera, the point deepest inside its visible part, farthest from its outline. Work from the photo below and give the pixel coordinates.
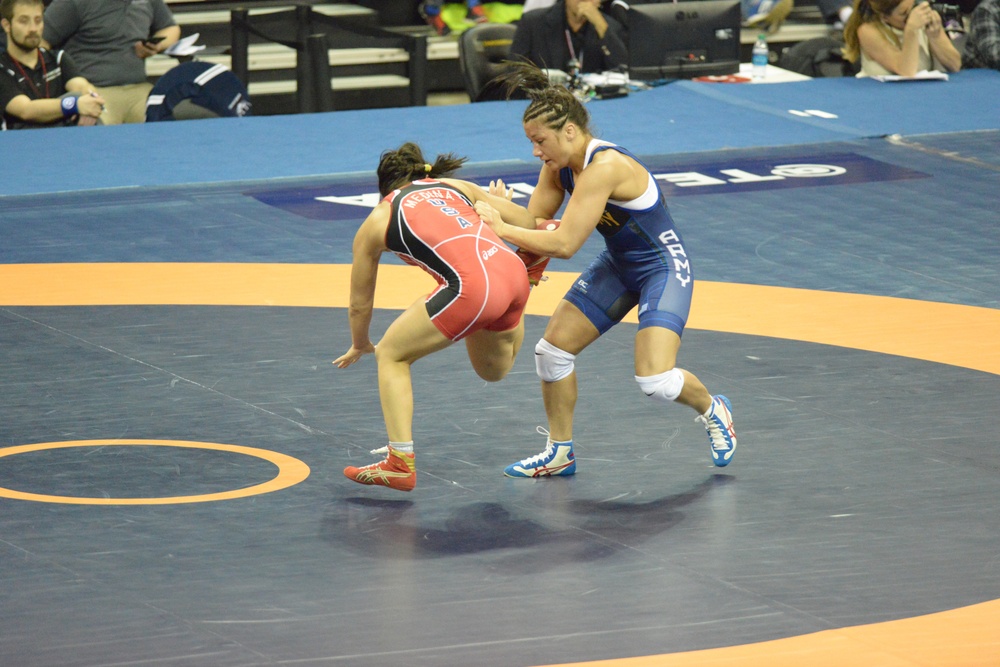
(898, 37)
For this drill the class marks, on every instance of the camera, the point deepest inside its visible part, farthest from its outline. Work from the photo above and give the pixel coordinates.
(948, 13)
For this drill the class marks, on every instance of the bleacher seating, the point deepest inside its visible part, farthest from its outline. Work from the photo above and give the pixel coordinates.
(368, 77)
(360, 77)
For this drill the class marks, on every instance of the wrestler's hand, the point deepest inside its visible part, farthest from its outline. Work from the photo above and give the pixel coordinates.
(490, 216)
(352, 355)
(499, 189)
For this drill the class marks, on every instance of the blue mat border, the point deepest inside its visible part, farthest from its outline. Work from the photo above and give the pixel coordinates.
(676, 118)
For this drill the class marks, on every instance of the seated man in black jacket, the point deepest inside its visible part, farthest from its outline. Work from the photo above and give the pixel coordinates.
(38, 87)
(571, 31)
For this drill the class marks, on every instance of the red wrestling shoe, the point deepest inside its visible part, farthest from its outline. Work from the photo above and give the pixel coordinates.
(535, 264)
(397, 471)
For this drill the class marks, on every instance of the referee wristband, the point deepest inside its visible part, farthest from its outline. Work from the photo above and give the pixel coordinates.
(69, 106)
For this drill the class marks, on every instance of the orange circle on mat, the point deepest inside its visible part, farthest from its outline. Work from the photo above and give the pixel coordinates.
(291, 471)
(883, 325)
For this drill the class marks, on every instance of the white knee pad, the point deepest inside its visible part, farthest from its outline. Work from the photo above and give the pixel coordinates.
(552, 363)
(662, 388)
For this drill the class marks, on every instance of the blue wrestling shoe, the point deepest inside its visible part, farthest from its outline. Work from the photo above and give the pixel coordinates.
(718, 421)
(557, 459)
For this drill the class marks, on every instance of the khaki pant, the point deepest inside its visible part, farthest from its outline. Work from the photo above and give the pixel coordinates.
(125, 104)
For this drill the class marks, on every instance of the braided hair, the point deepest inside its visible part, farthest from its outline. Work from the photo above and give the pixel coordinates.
(406, 163)
(551, 105)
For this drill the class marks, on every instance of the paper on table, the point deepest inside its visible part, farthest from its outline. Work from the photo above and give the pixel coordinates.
(922, 75)
(186, 46)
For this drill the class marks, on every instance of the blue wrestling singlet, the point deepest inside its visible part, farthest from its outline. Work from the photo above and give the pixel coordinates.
(644, 263)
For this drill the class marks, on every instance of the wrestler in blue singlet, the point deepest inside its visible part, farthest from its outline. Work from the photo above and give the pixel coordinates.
(644, 263)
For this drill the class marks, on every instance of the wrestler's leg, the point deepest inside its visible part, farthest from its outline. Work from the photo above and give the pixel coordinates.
(409, 338)
(570, 332)
(492, 353)
(656, 353)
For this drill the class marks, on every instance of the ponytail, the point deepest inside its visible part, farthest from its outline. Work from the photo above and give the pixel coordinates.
(862, 12)
(552, 105)
(406, 164)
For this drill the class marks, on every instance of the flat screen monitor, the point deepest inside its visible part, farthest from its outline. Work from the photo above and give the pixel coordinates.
(683, 40)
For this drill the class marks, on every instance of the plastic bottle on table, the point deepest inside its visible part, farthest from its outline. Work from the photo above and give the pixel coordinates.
(759, 58)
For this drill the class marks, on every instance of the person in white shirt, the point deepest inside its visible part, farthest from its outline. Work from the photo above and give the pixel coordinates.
(898, 37)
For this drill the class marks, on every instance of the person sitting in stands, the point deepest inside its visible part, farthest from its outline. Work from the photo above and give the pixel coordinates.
(38, 87)
(982, 48)
(571, 31)
(898, 37)
(110, 42)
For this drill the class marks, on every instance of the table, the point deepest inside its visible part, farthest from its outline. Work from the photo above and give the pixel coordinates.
(775, 74)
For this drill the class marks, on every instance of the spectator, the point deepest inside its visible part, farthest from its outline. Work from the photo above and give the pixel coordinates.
(33, 79)
(431, 11)
(110, 42)
(606, 5)
(898, 37)
(982, 47)
(574, 31)
(618, 9)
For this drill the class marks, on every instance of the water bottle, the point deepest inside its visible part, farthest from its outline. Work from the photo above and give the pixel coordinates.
(759, 57)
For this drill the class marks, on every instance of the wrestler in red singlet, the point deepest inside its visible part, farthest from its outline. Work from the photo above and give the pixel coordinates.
(435, 227)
